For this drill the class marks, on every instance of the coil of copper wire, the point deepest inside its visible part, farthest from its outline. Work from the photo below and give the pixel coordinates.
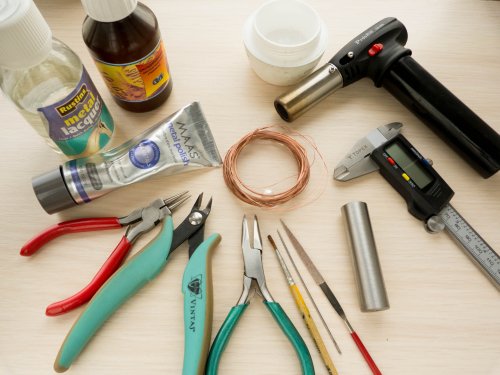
(253, 196)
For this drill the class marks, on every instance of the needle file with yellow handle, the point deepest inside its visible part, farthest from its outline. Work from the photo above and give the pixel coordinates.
(304, 311)
(318, 279)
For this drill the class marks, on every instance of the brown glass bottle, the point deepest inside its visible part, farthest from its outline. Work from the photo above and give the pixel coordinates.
(129, 54)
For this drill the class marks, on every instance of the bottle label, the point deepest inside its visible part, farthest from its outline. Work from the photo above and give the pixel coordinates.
(79, 124)
(139, 80)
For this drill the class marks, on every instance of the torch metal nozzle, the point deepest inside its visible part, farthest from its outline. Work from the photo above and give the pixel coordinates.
(308, 92)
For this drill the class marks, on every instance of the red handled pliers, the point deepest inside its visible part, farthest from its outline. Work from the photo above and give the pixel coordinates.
(138, 222)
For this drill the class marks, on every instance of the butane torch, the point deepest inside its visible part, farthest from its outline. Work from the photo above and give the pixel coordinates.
(379, 53)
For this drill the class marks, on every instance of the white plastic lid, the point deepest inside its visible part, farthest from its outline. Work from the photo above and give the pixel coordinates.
(109, 10)
(285, 33)
(25, 36)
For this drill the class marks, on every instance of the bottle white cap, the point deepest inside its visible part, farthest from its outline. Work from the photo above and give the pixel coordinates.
(109, 10)
(25, 36)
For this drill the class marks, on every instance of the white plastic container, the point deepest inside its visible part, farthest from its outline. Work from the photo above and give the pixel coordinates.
(284, 40)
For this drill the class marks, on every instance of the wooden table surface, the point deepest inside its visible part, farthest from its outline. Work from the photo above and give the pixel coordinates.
(444, 315)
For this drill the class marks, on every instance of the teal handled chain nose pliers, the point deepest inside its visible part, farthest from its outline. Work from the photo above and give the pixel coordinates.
(142, 268)
(254, 278)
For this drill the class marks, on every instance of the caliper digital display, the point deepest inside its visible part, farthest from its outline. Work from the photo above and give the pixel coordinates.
(410, 164)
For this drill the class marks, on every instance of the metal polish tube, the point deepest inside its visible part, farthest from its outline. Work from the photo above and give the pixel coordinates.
(368, 274)
(179, 143)
(309, 92)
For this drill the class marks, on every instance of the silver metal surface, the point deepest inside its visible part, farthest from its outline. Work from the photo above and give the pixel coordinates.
(368, 273)
(478, 250)
(175, 201)
(51, 191)
(308, 92)
(309, 294)
(318, 279)
(148, 217)
(195, 218)
(389, 131)
(248, 288)
(434, 224)
(252, 258)
(286, 271)
(348, 325)
(357, 162)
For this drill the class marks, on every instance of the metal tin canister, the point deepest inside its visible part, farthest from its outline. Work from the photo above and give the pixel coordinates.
(369, 279)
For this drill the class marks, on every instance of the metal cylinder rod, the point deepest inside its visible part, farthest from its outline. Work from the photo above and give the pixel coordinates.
(366, 264)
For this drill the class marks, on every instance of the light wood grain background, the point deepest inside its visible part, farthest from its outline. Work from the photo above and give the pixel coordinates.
(444, 316)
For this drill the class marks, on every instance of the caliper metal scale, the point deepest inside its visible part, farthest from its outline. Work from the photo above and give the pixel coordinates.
(427, 195)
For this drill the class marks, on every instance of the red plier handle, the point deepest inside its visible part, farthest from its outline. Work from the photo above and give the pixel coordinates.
(66, 227)
(108, 268)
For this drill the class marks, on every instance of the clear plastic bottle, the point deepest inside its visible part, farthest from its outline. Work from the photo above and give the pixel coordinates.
(49, 85)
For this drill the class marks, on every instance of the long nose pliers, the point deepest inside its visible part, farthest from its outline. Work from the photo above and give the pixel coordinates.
(254, 279)
(137, 222)
(142, 268)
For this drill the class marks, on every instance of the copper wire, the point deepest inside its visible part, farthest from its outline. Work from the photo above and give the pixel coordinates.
(250, 195)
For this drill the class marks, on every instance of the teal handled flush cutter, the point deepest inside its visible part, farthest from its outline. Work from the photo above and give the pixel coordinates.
(144, 267)
(254, 279)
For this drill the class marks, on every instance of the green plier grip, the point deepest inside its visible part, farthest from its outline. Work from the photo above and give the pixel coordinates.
(198, 307)
(224, 334)
(130, 277)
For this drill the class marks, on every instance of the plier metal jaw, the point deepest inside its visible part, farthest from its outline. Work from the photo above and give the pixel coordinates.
(254, 277)
(192, 226)
(150, 216)
(358, 162)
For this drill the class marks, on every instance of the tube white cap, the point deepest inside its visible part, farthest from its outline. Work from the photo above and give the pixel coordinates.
(25, 36)
(109, 10)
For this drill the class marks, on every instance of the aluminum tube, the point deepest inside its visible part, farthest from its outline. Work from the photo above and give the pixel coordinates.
(368, 274)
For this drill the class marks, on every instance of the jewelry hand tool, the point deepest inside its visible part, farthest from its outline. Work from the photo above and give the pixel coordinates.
(426, 194)
(308, 293)
(304, 311)
(137, 222)
(318, 279)
(144, 267)
(255, 280)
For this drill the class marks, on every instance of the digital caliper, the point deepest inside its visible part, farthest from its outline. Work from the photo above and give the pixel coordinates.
(427, 195)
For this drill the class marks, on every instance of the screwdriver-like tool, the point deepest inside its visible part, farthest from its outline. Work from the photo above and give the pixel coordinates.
(306, 315)
(309, 293)
(318, 279)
